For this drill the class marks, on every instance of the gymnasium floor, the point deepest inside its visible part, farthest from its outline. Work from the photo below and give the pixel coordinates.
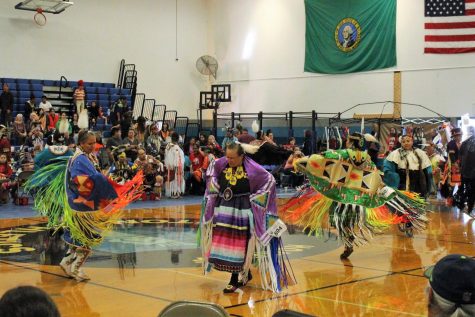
(151, 260)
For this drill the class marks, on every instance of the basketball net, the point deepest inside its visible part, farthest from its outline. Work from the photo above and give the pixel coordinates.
(39, 18)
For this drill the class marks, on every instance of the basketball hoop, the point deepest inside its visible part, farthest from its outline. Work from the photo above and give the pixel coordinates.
(39, 17)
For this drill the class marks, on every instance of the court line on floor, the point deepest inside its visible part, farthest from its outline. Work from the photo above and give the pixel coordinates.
(89, 282)
(365, 306)
(325, 287)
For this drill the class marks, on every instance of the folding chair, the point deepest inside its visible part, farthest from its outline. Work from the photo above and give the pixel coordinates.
(191, 308)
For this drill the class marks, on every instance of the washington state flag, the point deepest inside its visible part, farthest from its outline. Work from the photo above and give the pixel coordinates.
(347, 36)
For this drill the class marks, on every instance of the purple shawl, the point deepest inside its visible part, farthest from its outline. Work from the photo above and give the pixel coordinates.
(262, 185)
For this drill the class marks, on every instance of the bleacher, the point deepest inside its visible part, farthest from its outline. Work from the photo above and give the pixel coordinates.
(104, 93)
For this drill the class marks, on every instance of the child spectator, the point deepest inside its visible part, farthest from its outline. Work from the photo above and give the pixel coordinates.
(5, 175)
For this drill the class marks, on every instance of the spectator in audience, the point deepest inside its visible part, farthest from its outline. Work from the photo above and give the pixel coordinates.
(143, 159)
(451, 287)
(104, 156)
(75, 124)
(214, 146)
(63, 125)
(115, 139)
(290, 145)
(174, 162)
(93, 112)
(45, 104)
(6, 106)
(307, 143)
(141, 129)
(5, 174)
(27, 301)
(202, 139)
(296, 178)
(197, 159)
(51, 119)
(5, 146)
(79, 97)
(42, 120)
(35, 140)
(245, 137)
(19, 130)
(154, 138)
(165, 132)
(228, 139)
(269, 137)
(153, 181)
(121, 170)
(126, 122)
(101, 114)
(30, 107)
(34, 121)
(132, 145)
(189, 147)
(118, 108)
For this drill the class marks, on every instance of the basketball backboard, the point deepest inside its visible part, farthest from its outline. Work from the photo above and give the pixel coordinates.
(47, 6)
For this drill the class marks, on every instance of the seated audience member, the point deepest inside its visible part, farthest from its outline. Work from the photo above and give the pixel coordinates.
(104, 156)
(452, 287)
(126, 123)
(63, 125)
(121, 170)
(35, 140)
(101, 114)
(51, 119)
(214, 146)
(45, 105)
(290, 145)
(30, 106)
(245, 137)
(132, 145)
(19, 130)
(143, 159)
(27, 301)
(5, 146)
(197, 158)
(115, 140)
(202, 139)
(93, 112)
(42, 120)
(6, 173)
(228, 139)
(296, 178)
(269, 137)
(153, 181)
(34, 121)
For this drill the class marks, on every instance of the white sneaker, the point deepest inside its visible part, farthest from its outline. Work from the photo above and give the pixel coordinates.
(66, 264)
(81, 276)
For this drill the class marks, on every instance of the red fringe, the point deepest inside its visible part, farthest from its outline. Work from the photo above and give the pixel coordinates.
(126, 193)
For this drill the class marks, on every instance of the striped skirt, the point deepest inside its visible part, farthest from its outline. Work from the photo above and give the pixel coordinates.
(231, 234)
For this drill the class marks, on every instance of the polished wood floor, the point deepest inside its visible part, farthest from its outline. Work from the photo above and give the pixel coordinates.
(384, 278)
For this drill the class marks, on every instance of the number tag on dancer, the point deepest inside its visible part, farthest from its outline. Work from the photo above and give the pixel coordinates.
(277, 229)
(386, 191)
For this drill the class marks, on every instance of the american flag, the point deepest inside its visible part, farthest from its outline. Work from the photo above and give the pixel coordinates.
(449, 26)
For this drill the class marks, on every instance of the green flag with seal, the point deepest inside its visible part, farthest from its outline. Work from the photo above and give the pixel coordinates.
(348, 36)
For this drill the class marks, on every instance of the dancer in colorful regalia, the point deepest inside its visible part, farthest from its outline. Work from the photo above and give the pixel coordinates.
(239, 212)
(347, 193)
(75, 196)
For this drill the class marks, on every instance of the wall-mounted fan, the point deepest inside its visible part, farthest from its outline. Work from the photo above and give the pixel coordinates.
(207, 65)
